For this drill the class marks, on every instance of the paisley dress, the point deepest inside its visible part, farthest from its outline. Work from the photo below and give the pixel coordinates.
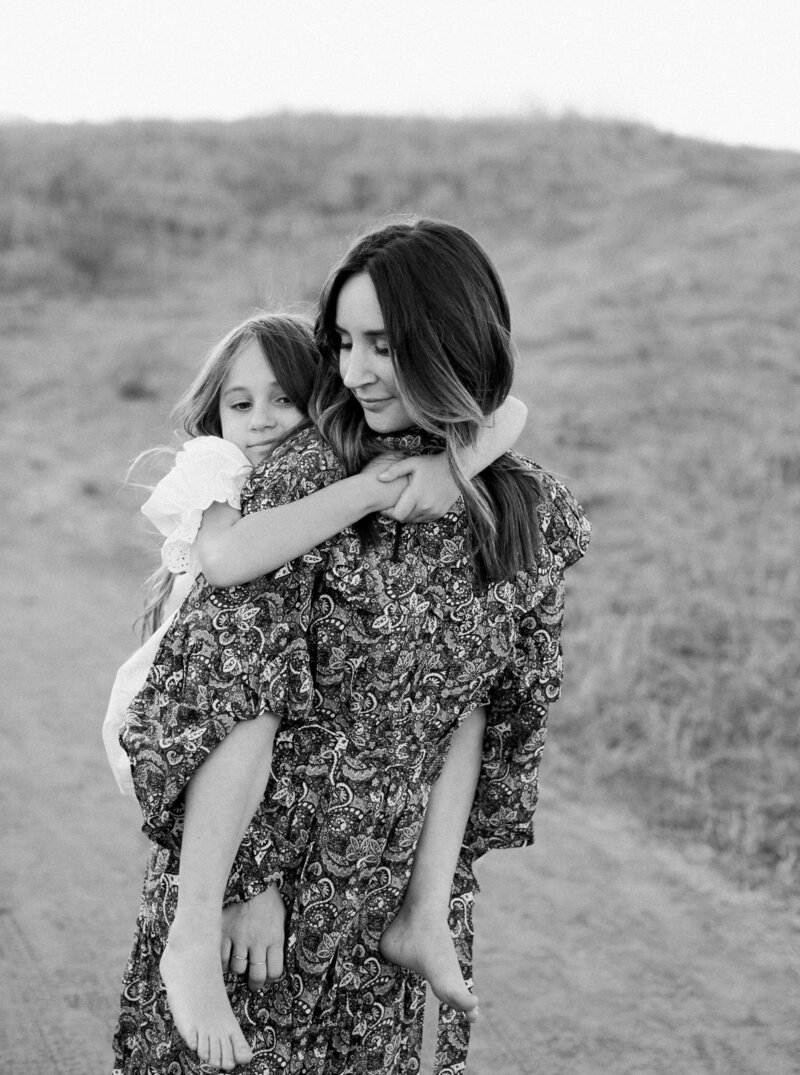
(371, 656)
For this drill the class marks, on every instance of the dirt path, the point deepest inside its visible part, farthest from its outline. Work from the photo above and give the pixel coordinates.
(599, 951)
(602, 952)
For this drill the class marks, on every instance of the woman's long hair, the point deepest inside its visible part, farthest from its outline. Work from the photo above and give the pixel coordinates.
(448, 327)
(288, 345)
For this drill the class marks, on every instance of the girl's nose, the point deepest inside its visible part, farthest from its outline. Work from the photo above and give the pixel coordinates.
(261, 417)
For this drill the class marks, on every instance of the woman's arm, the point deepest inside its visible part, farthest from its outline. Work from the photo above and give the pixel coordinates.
(432, 489)
(234, 549)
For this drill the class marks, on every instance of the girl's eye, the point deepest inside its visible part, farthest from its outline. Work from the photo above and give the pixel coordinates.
(284, 401)
(344, 344)
(241, 405)
(382, 350)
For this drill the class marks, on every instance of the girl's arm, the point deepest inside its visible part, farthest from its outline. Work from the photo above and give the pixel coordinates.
(431, 489)
(501, 431)
(234, 549)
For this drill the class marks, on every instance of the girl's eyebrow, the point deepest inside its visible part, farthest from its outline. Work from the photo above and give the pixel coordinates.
(272, 385)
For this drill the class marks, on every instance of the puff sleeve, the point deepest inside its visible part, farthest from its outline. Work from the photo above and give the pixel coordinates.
(519, 702)
(206, 470)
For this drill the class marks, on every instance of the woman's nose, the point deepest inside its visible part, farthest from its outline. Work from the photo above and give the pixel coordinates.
(355, 368)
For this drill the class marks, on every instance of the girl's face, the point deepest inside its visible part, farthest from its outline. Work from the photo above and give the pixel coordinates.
(255, 413)
(365, 362)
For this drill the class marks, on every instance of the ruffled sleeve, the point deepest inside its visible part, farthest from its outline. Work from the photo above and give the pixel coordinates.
(207, 469)
(519, 702)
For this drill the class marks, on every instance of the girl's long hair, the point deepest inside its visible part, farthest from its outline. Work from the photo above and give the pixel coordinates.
(448, 327)
(288, 345)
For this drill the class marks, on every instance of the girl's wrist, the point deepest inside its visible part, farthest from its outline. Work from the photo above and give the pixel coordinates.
(366, 493)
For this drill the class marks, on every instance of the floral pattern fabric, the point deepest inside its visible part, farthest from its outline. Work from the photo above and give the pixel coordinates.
(371, 658)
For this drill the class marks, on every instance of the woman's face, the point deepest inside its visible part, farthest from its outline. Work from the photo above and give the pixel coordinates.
(365, 361)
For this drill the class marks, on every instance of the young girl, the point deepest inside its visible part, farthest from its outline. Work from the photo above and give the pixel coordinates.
(250, 396)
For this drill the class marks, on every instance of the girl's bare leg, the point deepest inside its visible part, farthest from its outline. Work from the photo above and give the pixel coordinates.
(419, 937)
(221, 799)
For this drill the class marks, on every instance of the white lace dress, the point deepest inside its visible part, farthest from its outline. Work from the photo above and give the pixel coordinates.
(207, 469)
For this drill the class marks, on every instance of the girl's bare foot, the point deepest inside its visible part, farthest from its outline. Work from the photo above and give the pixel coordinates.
(422, 943)
(192, 975)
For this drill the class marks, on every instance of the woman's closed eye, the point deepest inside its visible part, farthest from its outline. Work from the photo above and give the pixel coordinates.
(379, 347)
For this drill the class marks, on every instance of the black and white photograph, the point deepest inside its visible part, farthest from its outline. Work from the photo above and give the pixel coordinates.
(400, 537)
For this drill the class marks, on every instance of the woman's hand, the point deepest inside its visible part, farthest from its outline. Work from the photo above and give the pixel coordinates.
(430, 491)
(256, 927)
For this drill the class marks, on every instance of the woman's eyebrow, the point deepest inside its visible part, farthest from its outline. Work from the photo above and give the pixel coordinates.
(371, 332)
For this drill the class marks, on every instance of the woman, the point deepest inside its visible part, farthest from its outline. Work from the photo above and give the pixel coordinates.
(372, 650)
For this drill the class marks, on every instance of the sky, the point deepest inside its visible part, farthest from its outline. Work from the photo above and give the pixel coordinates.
(722, 70)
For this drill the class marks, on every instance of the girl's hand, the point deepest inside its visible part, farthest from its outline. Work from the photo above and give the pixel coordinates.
(431, 490)
(380, 492)
(255, 926)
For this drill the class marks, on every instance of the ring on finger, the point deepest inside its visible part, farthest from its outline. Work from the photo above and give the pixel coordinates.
(258, 962)
(242, 959)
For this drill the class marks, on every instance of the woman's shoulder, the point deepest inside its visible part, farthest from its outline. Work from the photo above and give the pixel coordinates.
(303, 463)
(304, 452)
(562, 521)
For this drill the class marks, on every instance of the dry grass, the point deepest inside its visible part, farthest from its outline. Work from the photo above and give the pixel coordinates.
(654, 285)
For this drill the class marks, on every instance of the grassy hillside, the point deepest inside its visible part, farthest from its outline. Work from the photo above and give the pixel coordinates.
(654, 285)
